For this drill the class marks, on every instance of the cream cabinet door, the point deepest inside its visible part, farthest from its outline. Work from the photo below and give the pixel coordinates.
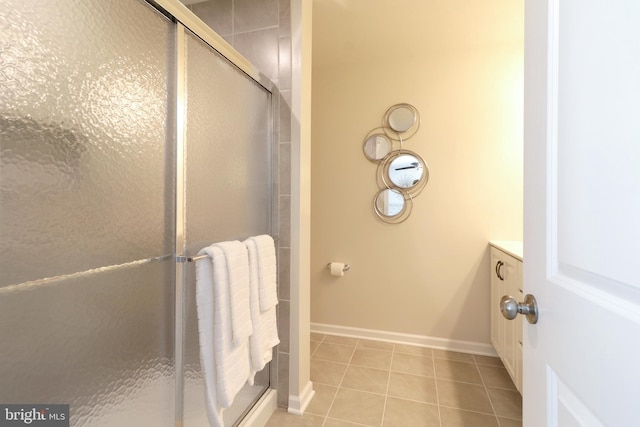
(506, 279)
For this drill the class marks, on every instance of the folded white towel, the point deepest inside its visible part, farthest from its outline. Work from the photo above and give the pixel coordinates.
(265, 329)
(267, 268)
(231, 362)
(237, 262)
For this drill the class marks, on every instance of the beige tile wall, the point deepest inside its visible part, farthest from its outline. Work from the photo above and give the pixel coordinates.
(261, 31)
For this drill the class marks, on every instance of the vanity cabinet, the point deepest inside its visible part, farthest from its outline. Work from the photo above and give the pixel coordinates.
(506, 279)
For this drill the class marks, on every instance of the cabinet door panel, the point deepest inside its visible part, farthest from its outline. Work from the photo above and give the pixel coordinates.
(497, 290)
(506, 335)
(509, 272)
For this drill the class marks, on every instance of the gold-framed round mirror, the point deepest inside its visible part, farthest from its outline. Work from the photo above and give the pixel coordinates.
(392, 206)
(401, 121)
(404, 170)
(376, 146)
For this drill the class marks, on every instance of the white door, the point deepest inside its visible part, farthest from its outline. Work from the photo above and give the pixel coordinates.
(582, 212)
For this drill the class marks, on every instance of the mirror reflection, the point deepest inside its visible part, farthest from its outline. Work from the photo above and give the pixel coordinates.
(389, 203)
(401, 118)
(405, 171)
(376, 147)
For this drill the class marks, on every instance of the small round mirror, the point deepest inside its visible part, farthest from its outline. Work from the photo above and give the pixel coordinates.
(405, 171)
(392, 206)
(376, 146)
(389, 203)
(401, 118)
(401, 122)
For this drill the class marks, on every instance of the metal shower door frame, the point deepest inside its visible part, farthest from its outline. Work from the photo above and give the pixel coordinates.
(187, 21)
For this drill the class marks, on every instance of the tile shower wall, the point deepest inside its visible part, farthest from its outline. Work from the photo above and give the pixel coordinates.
(261, 31)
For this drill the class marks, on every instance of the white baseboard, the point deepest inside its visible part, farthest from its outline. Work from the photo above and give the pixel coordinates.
(400, 338)
(262, 410)
(298, 404)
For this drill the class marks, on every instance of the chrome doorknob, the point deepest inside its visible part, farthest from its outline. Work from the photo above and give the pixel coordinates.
(510, 308)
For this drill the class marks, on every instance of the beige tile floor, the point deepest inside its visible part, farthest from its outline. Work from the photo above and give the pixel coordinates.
(371, 383)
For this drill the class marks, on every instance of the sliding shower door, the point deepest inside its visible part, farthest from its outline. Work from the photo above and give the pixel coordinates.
(98, 196)
(87, 210)
(227, 190)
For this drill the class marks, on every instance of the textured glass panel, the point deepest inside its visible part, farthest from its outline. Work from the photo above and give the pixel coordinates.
(227, 196)
(85, 163)
(228, 150)
(101, 342)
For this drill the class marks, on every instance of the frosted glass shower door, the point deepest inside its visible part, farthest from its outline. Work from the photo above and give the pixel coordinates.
(87, 210)
(227, 190)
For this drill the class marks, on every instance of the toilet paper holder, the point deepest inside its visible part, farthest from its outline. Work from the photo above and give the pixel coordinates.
(346, 267)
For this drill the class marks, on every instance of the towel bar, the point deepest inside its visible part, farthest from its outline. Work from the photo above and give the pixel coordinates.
(183, 258)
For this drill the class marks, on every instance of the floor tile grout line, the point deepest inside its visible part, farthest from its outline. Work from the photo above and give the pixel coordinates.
(414, 375)
(502, 368)
(319, 342)
(335, 361)
(502, 388)
(386, 392)
(509, 418)
(472, 411)
(314, 351)
(310, 357)
(423, 402)
(363, 391)
(349, 422)
(484, 385)
(435, 381)
(339, 386)
(467, 382)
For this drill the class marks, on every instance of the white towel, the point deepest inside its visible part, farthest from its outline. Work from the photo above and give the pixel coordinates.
(267, 287)
(237, 261)
(265, 329)
(205, 307)
(225, 366)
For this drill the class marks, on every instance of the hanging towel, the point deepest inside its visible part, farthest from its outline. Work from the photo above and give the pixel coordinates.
(237, 263)
(228, 370)
(267, 286)
(265, 330)
(205, 308)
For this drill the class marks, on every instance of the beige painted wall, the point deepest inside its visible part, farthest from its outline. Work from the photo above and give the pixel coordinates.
(429, 275)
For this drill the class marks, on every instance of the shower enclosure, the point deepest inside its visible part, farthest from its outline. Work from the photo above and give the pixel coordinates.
(126, 140)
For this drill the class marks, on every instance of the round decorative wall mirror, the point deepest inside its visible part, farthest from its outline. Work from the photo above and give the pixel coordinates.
(401, 119)
(376, 147)
(404, 170)
(402, 174)
(391, 205)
